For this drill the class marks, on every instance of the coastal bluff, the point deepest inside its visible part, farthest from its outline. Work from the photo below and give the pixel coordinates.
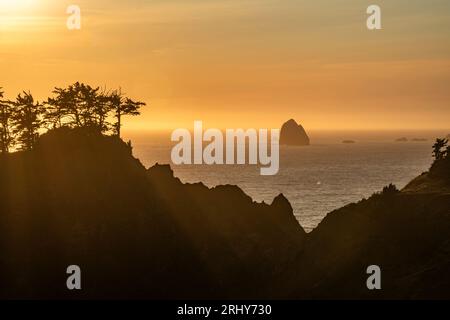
(80, 197)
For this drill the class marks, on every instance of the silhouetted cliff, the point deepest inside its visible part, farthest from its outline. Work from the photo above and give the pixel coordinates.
(406, 233)
(81, 198)
(293, 134)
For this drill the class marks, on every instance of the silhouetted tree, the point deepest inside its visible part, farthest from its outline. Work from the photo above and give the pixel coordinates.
(78, 105)
(86, 103)
(438, 154)
(123, 106)
(27, 119)
(6, 123)
(102, 109)
(61, 110)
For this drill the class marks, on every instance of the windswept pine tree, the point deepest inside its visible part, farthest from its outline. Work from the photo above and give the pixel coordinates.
(27, 120)
(103, 107)
(87, 98)
(438, 152)
(123, 106)
(58, 110)
(77, 106)
(6, 124)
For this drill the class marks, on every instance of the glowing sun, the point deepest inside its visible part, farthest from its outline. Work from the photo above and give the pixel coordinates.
(14, 5)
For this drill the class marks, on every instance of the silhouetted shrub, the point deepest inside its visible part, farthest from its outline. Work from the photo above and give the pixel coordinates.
(391, 189)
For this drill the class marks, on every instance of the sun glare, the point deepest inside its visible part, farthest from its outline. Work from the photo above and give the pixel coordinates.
(14, 5)
(14, 13)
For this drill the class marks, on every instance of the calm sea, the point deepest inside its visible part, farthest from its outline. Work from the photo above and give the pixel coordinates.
(316, 179)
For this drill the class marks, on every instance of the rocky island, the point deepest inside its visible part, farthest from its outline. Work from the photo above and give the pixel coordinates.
(293, 134)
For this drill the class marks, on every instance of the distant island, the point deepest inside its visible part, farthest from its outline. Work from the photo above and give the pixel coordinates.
(403, 139)
(349, 141)
(293, 134)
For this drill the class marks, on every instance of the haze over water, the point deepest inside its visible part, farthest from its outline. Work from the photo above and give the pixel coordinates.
(315, 179)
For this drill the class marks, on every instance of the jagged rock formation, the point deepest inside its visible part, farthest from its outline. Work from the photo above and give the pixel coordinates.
(81, 198)
(293, 134)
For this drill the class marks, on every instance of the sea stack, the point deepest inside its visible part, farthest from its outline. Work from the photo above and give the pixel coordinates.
(293, 134)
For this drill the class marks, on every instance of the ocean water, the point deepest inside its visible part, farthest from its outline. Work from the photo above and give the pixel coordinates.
(315, 179)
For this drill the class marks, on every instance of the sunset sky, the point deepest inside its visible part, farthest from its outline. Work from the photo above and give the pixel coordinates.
(241, 63)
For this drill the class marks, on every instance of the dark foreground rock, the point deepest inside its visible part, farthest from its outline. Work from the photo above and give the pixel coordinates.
(81, 198)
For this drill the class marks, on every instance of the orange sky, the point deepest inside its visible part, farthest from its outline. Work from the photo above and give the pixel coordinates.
(241, 63)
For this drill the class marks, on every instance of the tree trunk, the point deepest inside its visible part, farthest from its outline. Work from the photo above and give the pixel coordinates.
(119, 116)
